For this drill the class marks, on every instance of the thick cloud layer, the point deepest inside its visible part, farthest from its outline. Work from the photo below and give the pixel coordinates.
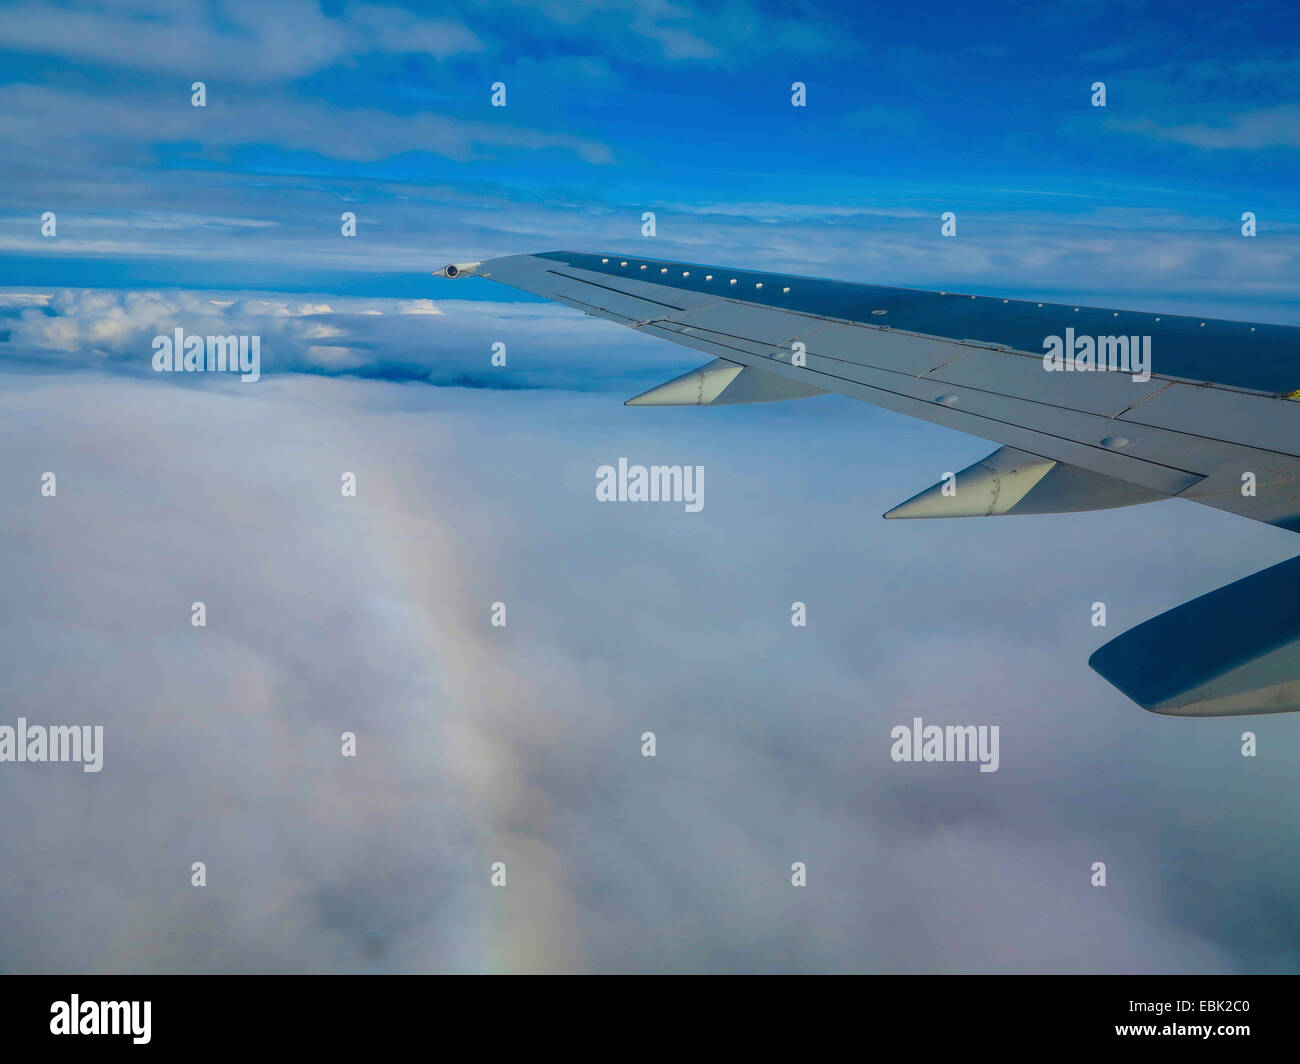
(523, 744)
(450, 342)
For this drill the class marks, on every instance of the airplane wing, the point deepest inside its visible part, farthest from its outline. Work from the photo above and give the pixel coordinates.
(1194, 408)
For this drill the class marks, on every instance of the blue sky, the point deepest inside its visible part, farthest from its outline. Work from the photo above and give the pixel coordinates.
(370, 613)
(618, 107)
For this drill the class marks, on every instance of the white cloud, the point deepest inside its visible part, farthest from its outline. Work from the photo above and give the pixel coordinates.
(445, 342)
(239, 41)
(1267, 127)
(133, 122)
(522, 744)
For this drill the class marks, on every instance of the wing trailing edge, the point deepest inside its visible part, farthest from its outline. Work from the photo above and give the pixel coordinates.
(1016, 482)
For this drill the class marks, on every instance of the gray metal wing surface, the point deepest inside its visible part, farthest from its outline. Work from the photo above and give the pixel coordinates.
(1209, 417)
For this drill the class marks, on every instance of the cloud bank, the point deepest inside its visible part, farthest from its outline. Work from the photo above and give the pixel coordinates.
(523, 744)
